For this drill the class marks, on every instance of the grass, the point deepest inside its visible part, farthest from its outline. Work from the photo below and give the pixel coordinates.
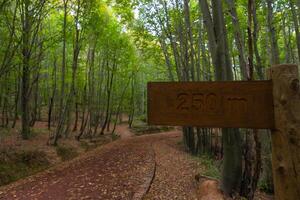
(209, 165)
(66, 153)
(15, 165)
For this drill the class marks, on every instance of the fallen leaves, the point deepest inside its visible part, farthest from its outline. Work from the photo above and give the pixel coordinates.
(120, 170)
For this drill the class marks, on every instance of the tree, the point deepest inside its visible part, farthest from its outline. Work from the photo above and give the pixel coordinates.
(30, 27)
(273, 35)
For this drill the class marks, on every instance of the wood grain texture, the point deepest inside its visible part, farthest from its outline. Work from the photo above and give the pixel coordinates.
(286, 135)
(211, 104)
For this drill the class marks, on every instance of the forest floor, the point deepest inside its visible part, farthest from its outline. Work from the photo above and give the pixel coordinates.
(123, 169)
(146, 167)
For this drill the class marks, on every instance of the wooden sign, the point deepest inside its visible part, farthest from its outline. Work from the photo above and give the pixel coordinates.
(211, 104)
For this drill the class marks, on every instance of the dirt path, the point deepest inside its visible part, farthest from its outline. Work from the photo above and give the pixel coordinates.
(126, 169)
(175, 172)
(123, 131)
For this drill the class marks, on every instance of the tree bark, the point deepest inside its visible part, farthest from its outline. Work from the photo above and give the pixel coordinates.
(26, 54)
(239, 41)
(53, 93)
(190, 41)
(296, 24)
(258, 65)
(272, 32)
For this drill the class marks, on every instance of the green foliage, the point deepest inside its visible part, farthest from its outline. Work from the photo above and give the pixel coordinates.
(210, 166)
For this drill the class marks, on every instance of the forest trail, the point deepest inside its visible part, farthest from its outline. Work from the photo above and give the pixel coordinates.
(123, 131)
(143, 167)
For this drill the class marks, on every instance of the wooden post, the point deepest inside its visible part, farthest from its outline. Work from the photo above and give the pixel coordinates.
(286, 135)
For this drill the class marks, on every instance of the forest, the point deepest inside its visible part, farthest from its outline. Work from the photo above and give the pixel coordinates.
(76, 71)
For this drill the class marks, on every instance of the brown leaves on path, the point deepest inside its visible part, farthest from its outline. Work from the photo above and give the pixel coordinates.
(175, 171)
(120, 170)
(112, 172)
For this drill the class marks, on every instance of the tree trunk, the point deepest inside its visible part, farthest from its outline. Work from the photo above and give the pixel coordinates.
(120, 105)
(167, 58)
(63, 69)
(26, 32)
(53, 94)
(273, 38)
(238, 38)
(296, 24)
(110, 79)
(190, 41)
(232, 167)
(286, 41)
(17, 97)
(255, 39)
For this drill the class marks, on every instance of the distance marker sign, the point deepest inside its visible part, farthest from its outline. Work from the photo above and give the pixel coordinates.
(234, 104)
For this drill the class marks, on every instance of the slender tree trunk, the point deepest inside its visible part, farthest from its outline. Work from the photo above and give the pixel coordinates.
(273, 38)
(110, 79)
(173, 43)
(76, 117)
(67, 110)
(26, 32)
(132, 104)
(253, 146)
(259, 67)
(286, 41)
(35, 102)
(296, 24)
(63, 69)
(208, 22)
(190, 41)
(238, 38)
(167, 58)
(17, 97)
(62, 107)
(120, 105)
(53, 94)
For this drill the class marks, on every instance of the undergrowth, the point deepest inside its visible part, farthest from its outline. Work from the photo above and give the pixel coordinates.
(66, 153)
(15, 165)
(266, 186)
(140, 127)
(115, 136)
(210, 166)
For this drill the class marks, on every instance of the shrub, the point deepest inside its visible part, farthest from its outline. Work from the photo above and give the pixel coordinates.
(66, 153)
